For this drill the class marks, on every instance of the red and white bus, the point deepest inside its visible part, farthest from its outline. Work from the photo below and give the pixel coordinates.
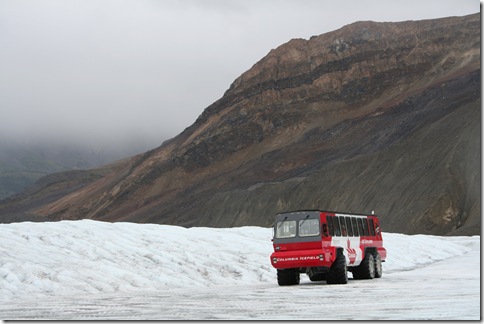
(326, 245)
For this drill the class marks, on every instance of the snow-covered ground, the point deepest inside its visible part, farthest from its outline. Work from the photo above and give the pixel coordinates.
(74, 270)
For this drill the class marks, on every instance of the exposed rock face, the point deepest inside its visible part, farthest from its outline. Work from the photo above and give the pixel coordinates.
(373, 116)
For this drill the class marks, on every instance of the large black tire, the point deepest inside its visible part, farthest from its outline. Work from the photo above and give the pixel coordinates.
(288, 277)
(378, 266)
(338, 273)
(366, 270)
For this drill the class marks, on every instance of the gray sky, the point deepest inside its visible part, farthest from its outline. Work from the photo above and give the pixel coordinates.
(114, 70)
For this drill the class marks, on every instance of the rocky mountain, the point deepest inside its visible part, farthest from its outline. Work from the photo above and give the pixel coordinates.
(382, 117)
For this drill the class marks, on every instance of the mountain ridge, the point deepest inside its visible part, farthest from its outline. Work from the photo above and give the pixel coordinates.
(297, 112)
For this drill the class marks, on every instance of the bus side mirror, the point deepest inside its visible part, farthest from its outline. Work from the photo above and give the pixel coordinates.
(325, 230)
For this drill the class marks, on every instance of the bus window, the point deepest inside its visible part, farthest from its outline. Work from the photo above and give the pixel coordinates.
(286, 229)
(363, 229)
(355, 226)
(337, 228)
(329, 220)
(309, 227)
(342, 223)
(372, 227)
(348, 226)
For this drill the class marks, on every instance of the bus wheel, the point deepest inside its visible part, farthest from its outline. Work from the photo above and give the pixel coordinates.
(288, 277)
(338, 273)
(378, 267)
(366, 270)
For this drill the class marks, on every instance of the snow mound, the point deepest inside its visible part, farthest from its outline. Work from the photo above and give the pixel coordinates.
(86, 256)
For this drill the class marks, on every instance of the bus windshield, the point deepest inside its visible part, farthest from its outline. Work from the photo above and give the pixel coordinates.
(302, 228)
(309, 227)
(286, 229)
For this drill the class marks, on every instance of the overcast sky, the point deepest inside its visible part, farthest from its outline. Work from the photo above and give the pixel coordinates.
(108, 70)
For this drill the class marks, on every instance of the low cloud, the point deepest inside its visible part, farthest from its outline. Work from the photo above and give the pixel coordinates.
(114, 70)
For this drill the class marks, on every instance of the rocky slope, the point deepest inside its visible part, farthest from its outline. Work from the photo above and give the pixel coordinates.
(373, 116)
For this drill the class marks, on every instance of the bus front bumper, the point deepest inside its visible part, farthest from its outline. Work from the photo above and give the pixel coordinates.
(301, 259)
